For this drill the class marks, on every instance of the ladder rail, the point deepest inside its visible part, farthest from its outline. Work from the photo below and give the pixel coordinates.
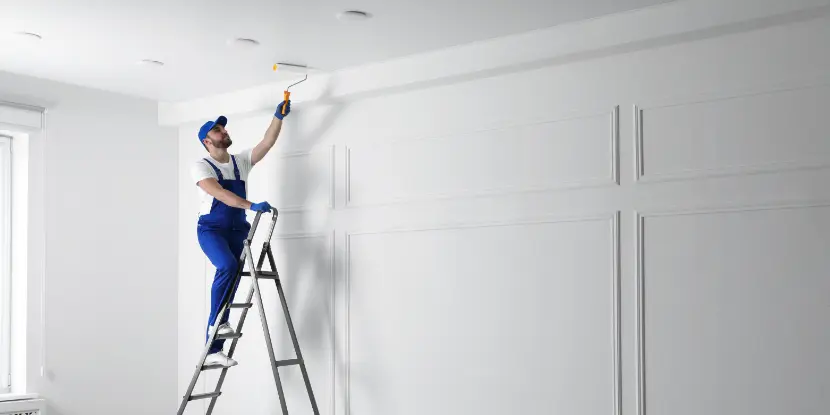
(232, 348)
(201, 363)
(293, 333)
(267, 337)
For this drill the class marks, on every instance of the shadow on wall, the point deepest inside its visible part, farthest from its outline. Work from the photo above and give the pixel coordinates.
(311, 322)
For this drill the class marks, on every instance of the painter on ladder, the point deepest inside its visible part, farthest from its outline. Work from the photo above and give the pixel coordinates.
(223, 226)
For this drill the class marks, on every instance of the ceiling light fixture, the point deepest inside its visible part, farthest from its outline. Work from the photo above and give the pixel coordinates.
(353, 15)
(151, 62)
(244, 42)
(29, 35)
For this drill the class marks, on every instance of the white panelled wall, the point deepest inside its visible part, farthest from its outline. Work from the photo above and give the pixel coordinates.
(640, 233)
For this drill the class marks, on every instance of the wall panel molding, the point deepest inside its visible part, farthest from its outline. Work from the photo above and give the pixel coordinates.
(613, 220)
(330, 177)
(639, 272)
(748, 96)
(612, 179)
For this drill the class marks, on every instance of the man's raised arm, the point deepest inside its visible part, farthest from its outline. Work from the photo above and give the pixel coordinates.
(271, 133)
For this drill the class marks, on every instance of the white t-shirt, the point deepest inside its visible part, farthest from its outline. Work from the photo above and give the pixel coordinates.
(202, 170)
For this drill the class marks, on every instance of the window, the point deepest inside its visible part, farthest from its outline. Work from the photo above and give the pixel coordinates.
(5, 262)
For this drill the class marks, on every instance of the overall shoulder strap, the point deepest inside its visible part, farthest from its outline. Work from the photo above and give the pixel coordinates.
(218, 173)
(235, 168)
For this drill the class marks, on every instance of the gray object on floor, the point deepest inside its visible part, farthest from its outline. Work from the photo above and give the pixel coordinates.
(253, 294)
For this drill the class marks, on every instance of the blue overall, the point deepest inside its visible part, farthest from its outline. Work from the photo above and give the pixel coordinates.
(221, 235)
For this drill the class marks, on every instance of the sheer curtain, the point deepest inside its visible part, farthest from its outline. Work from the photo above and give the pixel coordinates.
(5, 262)
(17, 123)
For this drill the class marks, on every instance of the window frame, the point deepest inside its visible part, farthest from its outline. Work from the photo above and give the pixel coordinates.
(5, 261)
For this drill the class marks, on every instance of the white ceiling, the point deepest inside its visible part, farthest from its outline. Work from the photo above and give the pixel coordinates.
(97, 43)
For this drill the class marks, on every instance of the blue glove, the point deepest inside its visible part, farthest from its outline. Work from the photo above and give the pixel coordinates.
(287, 105)
(261, 207)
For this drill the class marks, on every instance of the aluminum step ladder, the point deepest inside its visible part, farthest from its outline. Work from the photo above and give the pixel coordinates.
(257, 273)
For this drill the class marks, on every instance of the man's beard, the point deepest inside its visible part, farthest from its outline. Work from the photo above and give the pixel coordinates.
(224, 143)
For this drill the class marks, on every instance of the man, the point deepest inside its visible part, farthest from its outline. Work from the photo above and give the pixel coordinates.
(223, 226)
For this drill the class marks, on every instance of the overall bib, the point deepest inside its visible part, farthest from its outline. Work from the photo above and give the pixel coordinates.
(221, 235)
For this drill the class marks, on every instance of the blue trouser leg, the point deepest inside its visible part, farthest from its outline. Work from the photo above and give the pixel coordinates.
(223, 249)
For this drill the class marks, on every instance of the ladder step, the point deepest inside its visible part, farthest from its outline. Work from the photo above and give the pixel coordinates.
(204, 396)
(242, 305)
(228, 336)
(290, 362)
(262, 274)
(212, 367)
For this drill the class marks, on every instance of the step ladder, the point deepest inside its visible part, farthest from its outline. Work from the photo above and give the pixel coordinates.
(256, 274)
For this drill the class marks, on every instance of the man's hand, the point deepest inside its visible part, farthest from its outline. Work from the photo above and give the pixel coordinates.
(261, 207)
(271, 134)
(286, 105)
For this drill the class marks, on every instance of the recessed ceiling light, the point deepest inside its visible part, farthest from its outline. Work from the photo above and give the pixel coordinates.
(29, 35)
(353, 15)
(151, 62)
(244, 42)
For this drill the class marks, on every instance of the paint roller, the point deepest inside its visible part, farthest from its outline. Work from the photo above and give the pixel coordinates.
(291, 68)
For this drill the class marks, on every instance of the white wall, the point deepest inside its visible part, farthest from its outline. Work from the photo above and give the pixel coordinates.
(102, 243)
(636, 230)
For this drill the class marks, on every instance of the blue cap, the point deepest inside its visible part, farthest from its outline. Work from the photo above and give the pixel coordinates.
(222, 120)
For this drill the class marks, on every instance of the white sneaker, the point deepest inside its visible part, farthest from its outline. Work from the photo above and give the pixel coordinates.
(224, 329)
(219, 358)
